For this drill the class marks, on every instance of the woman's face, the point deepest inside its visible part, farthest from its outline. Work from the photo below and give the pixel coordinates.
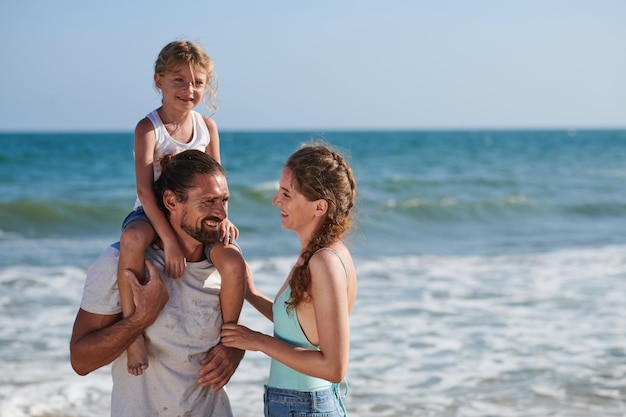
(296, 211)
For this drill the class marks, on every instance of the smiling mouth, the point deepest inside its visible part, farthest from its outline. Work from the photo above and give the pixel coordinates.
(211, 223)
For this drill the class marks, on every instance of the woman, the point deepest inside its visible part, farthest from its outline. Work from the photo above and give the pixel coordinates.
(311, 342)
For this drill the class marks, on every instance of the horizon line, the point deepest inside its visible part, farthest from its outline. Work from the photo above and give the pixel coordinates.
(336, 129)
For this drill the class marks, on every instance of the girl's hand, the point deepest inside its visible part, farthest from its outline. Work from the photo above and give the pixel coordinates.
(228, 232)
(240, 337)
(175, 262)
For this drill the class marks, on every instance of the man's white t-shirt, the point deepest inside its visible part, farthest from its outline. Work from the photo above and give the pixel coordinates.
(185, 330)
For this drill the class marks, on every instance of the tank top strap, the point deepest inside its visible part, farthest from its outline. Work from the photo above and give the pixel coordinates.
(340, 260)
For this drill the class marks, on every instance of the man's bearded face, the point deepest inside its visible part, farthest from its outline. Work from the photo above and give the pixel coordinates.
(207, 235)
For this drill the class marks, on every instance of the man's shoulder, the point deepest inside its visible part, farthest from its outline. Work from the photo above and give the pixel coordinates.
(107, 258)
(101, 293)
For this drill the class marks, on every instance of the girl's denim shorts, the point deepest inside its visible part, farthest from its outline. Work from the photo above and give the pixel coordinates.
(137, 214)
(281, 402)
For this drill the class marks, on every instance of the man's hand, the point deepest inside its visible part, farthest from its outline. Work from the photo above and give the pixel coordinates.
(98, 339)
(149, 298)
(220, 364)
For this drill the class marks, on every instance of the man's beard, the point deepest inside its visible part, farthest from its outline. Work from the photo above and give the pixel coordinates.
(206, 237)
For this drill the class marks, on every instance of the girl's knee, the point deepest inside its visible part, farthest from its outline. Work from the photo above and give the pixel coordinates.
(137, 235)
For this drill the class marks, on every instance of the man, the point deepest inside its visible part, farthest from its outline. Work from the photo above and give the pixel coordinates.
(180, 318)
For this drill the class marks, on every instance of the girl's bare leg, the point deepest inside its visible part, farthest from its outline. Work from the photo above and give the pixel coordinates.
(134, 241)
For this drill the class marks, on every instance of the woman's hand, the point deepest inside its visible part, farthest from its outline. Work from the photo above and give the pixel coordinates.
(241, 337)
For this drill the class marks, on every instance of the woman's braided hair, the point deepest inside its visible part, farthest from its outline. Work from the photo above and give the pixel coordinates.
(319, 172)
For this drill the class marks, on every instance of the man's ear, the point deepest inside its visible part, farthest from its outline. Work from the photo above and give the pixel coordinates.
(169, 200)
(321, 207)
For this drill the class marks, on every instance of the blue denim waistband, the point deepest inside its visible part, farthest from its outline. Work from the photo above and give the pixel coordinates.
(303, 397)
(307, 400)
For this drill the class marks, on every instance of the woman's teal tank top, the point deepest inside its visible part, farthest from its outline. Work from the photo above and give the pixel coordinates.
(287, 329)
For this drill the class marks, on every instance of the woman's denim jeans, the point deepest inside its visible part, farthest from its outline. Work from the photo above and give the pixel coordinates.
(291, 403)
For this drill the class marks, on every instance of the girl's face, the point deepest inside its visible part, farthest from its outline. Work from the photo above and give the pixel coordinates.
(298, 213)
(182, 88)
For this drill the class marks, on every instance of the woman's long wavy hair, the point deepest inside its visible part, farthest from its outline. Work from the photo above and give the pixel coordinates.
(319, 172)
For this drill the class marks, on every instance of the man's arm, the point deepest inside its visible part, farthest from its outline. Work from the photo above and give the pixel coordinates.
(98, 339)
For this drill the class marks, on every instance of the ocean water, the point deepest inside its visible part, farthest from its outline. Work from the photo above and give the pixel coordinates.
(492, 267)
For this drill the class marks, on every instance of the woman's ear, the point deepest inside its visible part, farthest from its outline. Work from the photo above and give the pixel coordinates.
(321, 207)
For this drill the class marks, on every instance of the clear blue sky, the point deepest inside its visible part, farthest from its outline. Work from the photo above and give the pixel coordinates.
(322, 65)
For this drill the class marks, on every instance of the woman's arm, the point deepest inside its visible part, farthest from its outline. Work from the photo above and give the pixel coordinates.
(262, 303)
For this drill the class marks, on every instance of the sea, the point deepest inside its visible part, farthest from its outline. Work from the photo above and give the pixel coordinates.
(491, 267)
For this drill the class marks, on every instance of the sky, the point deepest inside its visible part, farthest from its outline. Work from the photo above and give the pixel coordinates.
(323, 65)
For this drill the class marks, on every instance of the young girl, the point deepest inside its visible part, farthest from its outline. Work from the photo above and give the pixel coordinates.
(183, 73)
(311, 342)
